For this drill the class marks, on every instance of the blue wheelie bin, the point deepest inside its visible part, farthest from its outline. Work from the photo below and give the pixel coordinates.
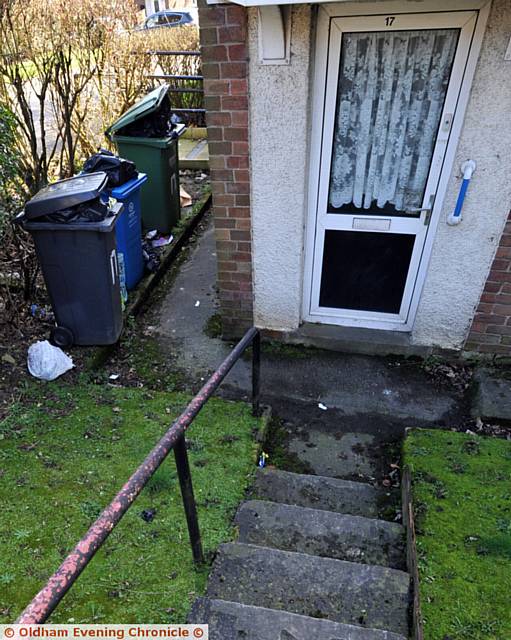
(129, 229)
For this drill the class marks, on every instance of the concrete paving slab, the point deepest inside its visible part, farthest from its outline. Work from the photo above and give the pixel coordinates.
(493, 396)
(193, 153)
(341, 455)
(354, 384)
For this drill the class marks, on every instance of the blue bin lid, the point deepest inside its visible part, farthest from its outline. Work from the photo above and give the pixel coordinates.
(122, 192)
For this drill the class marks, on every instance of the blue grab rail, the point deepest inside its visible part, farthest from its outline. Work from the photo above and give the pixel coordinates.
(467, 168)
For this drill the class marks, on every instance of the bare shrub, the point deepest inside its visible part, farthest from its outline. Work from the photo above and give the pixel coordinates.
(67, 71)
(27, 68)
(18, 265)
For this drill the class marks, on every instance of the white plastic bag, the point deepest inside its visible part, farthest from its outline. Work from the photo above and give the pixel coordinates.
(47, 362)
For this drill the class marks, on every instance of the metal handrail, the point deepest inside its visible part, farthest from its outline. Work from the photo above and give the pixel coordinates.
(173, 76)
(184, 90)
(61, 581)
(172, 53)
(180, 110)
(178, 77)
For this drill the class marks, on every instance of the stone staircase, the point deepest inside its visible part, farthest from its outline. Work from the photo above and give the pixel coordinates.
(313, 561)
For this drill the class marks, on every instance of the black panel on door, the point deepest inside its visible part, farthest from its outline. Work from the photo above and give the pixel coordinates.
(365, 270)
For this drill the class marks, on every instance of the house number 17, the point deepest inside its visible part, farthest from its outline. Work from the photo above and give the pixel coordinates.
(389, 20)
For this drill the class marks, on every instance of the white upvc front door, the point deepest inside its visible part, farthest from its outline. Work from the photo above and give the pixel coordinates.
(387, 93)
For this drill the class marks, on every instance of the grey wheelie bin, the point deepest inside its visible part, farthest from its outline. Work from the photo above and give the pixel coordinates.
(73, 228)
(146, 135)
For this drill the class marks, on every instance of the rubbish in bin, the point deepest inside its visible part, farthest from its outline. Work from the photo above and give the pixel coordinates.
(150, 117)
(46, 362)
(71, 200)
(118, 170)
(93, 211)
(145, 135)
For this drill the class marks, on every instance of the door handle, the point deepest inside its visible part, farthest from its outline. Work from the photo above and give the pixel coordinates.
(428, 210)
(418, 209)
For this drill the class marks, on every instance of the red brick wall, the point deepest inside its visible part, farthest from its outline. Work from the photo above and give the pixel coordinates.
(223, 35)
(491, 327)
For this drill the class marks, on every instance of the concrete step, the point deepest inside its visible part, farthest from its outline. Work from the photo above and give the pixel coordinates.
(319, 492)
(335, 454)
(235, 621)
(347, 592)
(322, 533)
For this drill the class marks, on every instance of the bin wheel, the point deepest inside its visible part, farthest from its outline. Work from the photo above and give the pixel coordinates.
(62, 337)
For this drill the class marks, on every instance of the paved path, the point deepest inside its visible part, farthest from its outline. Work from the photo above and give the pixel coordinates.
(353, 384)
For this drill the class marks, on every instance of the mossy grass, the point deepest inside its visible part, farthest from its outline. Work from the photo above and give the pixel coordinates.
(65, 450)
(461, 486)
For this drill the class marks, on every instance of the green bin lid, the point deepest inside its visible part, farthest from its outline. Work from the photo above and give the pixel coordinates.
(143, 107)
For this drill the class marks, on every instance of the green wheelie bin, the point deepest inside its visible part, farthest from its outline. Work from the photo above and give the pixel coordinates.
(145, 135)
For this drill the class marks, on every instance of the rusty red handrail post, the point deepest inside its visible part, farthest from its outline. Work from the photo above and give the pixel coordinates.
(62, 580)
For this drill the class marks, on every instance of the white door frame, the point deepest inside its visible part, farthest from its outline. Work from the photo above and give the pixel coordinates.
(326, 14)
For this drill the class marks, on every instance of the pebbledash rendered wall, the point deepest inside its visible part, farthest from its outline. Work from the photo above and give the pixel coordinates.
(279, 111)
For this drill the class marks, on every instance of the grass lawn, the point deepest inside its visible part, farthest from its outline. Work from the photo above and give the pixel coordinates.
(63, 456)
(462, 502)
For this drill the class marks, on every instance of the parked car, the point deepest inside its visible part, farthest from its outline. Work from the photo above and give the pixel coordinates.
(168, 19)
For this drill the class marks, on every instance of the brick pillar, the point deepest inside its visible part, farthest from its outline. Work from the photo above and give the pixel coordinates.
(223, 36)
(491, 327)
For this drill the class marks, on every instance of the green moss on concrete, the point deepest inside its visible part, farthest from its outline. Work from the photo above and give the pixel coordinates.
(288, 350)
(462, 499)
(213, 326)
(66, 451)
(142, 356)
(275, 445)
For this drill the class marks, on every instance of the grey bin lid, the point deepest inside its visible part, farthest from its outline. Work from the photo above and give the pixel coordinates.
(146, 105)
(65, 194)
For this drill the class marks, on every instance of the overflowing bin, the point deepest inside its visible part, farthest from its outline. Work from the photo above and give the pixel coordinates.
(73, 227)
(147, 135)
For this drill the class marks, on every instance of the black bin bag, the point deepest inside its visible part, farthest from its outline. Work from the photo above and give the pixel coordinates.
(118, 170)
